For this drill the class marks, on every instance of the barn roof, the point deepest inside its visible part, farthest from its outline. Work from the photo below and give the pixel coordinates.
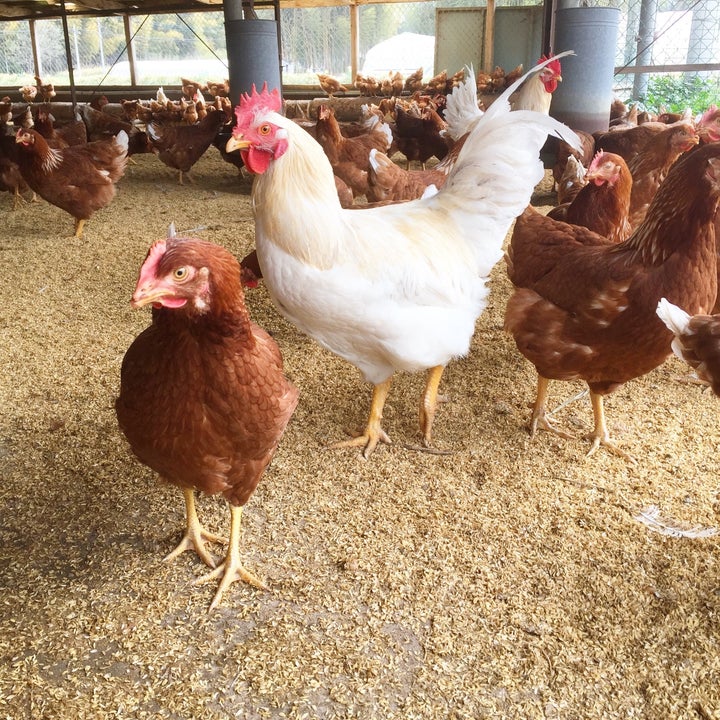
(38, 9)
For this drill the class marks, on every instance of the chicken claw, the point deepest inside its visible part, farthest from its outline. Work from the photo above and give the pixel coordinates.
(231, 569)
(368, 440)
(429, 403)
(373, 433)
(195, 534)
(600, 435)
(539, 419)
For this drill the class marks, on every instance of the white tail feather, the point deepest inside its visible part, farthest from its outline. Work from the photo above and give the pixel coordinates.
(674, 317)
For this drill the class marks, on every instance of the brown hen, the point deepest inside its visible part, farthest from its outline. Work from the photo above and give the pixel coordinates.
(651, 165)
(180, 146)
(79, 179)
(203, 399)
(584, 309)
(603, 204)
(350, 156)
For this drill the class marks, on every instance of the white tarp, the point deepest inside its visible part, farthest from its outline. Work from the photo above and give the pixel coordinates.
(405, 53)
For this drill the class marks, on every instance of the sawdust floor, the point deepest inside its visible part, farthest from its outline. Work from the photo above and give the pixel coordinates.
(507, 579)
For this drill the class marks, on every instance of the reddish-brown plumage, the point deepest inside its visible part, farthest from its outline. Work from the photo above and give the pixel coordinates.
(80, 179)
(418, 133)
(627, 141)
(699, 346)
(388, 182)
(349, 156)
(651, 165)
(603, 204)
(203, 398)
(585, 309)
(180, 145)
(100, 125)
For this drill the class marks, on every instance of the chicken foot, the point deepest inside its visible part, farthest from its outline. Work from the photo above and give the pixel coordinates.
(195, 534)
(79, 223)
(231, 569)
(600, 435)
(373, 433)
(539, 419)
(429, 403)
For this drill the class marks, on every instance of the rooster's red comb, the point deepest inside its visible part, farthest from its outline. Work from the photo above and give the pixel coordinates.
(257, 101)
(554, 65)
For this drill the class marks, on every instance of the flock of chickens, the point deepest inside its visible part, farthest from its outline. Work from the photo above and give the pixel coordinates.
(76, 166)
(398, 286)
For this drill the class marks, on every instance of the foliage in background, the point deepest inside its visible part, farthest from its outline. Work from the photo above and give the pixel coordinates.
(675, 93)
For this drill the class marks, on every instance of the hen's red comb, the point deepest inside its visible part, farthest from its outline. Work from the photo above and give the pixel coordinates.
(257, 101)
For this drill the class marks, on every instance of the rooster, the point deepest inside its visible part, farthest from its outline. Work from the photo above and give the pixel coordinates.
(536, 93)
(395, 287)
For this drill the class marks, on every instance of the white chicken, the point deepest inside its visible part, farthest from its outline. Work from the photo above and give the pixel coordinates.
(396, 287)
(536, 93)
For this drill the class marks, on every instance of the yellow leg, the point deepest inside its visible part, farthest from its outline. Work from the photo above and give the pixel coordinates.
(539, 419)
(429, 403)
(195, 534)
(79, 223)
(231, 569)
(600, 435)
(373, 433)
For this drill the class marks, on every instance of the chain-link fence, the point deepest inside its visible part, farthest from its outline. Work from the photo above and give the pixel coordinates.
(676, 40)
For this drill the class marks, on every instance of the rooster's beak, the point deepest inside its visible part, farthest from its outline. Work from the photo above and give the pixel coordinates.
(235, 143)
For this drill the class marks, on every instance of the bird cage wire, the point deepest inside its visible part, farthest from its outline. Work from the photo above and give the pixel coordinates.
(166, 47)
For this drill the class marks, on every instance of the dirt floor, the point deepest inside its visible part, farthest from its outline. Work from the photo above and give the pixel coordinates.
(509, 578)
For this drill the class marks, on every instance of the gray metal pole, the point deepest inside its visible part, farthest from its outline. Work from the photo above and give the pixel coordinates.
(646, 33)
(68, 54)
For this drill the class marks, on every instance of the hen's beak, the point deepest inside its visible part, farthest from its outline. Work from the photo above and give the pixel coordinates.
(157, 297)
(236, 143)
(142, 298)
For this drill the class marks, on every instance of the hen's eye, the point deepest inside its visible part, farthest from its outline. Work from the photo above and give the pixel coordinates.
(265, 129)
(180, 273)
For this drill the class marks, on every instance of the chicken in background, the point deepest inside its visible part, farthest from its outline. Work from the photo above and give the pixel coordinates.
(603, 204)
(696, 341)
(72, 133)
(651, 165)
(203, 399)
(330, 85)
(419, 133)
(388, 182)
(630, 118)
(180, 146)
(536, 93)
(79, 179)
(350, 157)
(708, 125)
(45, 91)
(570, 182)
(5, 110)
(584, 308)
(102, 125)
(367, 85)
(584, 155)
(396, 287)
(414, 81)
(627, 142)
(28, 93)
(11, 179)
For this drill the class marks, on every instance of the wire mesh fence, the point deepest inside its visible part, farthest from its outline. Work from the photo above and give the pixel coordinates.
(659, 34)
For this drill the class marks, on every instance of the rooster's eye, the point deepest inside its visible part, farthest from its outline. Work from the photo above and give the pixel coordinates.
(264, 129)
(180, 273)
